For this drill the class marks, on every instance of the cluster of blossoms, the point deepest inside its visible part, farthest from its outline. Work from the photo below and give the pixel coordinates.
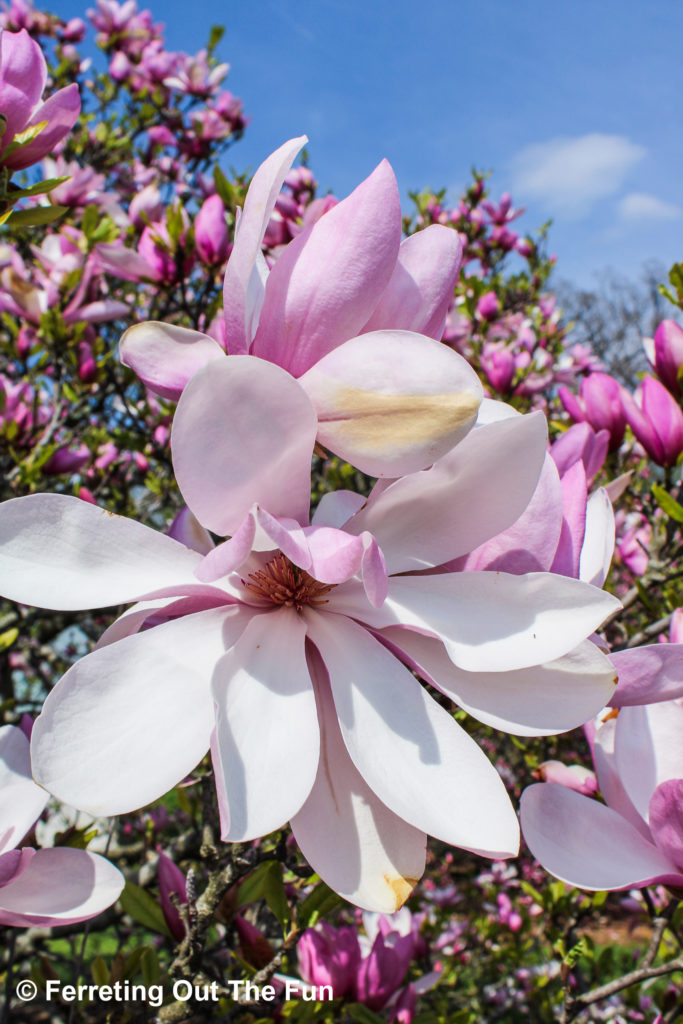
(313, 637)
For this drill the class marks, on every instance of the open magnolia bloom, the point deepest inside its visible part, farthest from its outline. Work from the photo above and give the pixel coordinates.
(290, 642)
(636, 837)
(42, 887)
(350, 311)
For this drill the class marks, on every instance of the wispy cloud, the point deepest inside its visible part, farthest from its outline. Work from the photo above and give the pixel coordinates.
(569, 174)
(643, 206)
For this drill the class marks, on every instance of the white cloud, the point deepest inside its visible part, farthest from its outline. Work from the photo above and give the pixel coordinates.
(642, 206)
(569, 175)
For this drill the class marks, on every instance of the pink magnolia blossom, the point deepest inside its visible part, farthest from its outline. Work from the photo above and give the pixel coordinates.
(43, 887)
(665, 352)
(636, 837)
(656, 420)
(171, 882)
(347, 309)
(23, 74)
(289, 642)
(573, 776)
(211, 232)
(600, 403)
(368, 968)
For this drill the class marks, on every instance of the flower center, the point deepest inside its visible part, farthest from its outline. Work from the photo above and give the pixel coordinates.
(281, 582)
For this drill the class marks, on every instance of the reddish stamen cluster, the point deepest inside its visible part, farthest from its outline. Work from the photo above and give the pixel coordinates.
(284, 583)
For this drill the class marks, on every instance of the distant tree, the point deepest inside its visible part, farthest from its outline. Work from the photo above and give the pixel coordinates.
(614, 317)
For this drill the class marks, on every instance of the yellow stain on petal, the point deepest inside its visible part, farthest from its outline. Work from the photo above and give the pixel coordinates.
(390, 421)
(614, 713)
(401, 887)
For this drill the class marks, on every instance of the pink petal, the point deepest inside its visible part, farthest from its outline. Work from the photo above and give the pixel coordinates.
(131, 720)
(243, 433)
(354, 842)
(265, 710)
(530, 544)
(598, 545)
(21, 801)
(609, 782)
(474, 492)
(586, 844)
(60, 886)
(165, 357)
(61, 112)
(411, 752)
(61, 552)
(336, 508)
(648, 674)
(392, 402)
(421, 287)
(488, 621)
(23, 73)
(242, 265)
(574, 497)
(329, 279)
(666, 819)
(648, 749)
(537, 701)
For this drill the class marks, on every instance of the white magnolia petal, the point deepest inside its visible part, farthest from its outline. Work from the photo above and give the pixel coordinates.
(409, 750)
(242, 296)
(648, 749)
(357, 845)
(243, 432)
(21, 801)
(166, 356)
(392, 402)
(475, 491)
(60, 886)
(267, 735)
(60, 552)
(609, 782)
(336, 508)
(598, 545)
(129, 721)
(490, 621)
(584, 843)
(536, 701)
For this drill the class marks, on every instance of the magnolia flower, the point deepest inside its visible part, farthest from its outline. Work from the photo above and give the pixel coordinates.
(636, 837)
(600, 403)
(23, 74)
(293, 642)
(43, 887)
(351, 312)
(656, 419)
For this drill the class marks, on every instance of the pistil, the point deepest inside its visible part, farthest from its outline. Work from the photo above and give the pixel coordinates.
(283, 583)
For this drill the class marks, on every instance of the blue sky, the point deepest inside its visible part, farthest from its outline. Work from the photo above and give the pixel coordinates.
(575, 105)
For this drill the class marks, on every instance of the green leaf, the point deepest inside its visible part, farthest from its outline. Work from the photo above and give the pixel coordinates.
(275, 895)
(23, 139)
(99, 971)
(36, 216)
(318, 903)
(667, 503)
(90, 220)
(266, 884)
(149, 966)
(143, 908)
(252, 888)
(215, 36)
(7, 638)
(361, 1013)
(39, 189)
(223, 188)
